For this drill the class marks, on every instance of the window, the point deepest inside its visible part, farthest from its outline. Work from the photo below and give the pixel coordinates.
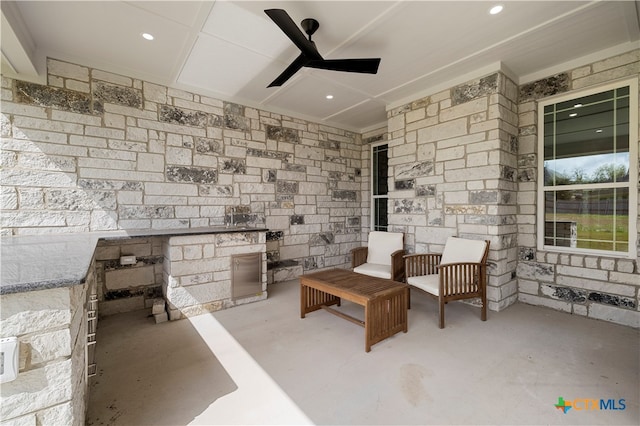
(379, 186)
(588, 171)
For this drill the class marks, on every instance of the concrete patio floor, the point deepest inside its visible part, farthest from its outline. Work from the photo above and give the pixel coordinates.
(261, 364)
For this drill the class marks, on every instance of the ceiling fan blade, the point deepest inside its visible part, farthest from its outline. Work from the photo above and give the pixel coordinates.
(295, 66)
(286, 24)
(365, 65)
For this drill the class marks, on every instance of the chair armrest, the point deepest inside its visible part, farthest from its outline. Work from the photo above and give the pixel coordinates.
(462, 277)
(359, 256)
(421, 264)
(397, 265)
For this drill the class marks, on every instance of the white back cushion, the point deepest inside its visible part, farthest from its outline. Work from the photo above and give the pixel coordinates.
(463, 250)
(381, 245)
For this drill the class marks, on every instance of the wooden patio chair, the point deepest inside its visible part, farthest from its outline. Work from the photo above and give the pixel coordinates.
(383, 256)
(460, 272)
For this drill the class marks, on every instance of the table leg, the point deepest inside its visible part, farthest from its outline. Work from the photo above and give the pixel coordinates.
(367, 327)
(312, 299)
(385, 316)
(303, 298)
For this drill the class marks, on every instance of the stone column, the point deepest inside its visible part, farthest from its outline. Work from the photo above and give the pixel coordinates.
(453, 170)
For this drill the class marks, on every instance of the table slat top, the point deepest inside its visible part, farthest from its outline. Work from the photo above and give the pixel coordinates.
(354, 283)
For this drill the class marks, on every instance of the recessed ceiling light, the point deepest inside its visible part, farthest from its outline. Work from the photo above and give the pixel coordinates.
(573, 114)
(329, 96)
(495, 10)
(147, 36)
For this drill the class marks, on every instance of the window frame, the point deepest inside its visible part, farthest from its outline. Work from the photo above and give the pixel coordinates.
(372, 226)
(632, 185)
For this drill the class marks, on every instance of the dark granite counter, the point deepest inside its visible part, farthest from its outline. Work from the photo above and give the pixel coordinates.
(38, 262)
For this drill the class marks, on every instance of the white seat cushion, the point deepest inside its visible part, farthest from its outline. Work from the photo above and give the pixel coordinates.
(374, 270)
(463, 250)
(381, 245)
(428, 283)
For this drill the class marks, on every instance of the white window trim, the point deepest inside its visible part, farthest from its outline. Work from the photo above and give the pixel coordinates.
(374, 197)
(632, 252)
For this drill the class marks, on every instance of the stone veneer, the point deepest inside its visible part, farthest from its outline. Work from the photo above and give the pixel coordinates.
(96, 151)
(51, 326)
(452, 160)
(599, 287)
(197, 271)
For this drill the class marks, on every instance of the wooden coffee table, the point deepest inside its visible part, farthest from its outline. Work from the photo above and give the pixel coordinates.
(385, 302)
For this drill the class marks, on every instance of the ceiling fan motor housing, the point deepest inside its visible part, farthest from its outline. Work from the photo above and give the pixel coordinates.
(310, 26)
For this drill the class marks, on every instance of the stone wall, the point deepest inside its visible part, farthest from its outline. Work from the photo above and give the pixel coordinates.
(97, 151)
(51, 327)
(599, 287)
(452, 158)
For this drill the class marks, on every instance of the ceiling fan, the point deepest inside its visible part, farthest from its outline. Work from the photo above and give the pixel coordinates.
(309, 56)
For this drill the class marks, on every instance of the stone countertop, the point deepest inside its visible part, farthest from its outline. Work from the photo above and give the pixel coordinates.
(38, 262)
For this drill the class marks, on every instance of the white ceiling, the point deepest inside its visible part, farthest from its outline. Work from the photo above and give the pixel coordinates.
(232, 50)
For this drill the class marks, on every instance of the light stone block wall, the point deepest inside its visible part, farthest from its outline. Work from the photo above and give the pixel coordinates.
(96, 151)
(601, 287)
(197, 271)
(51, 327)
(452, 159)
